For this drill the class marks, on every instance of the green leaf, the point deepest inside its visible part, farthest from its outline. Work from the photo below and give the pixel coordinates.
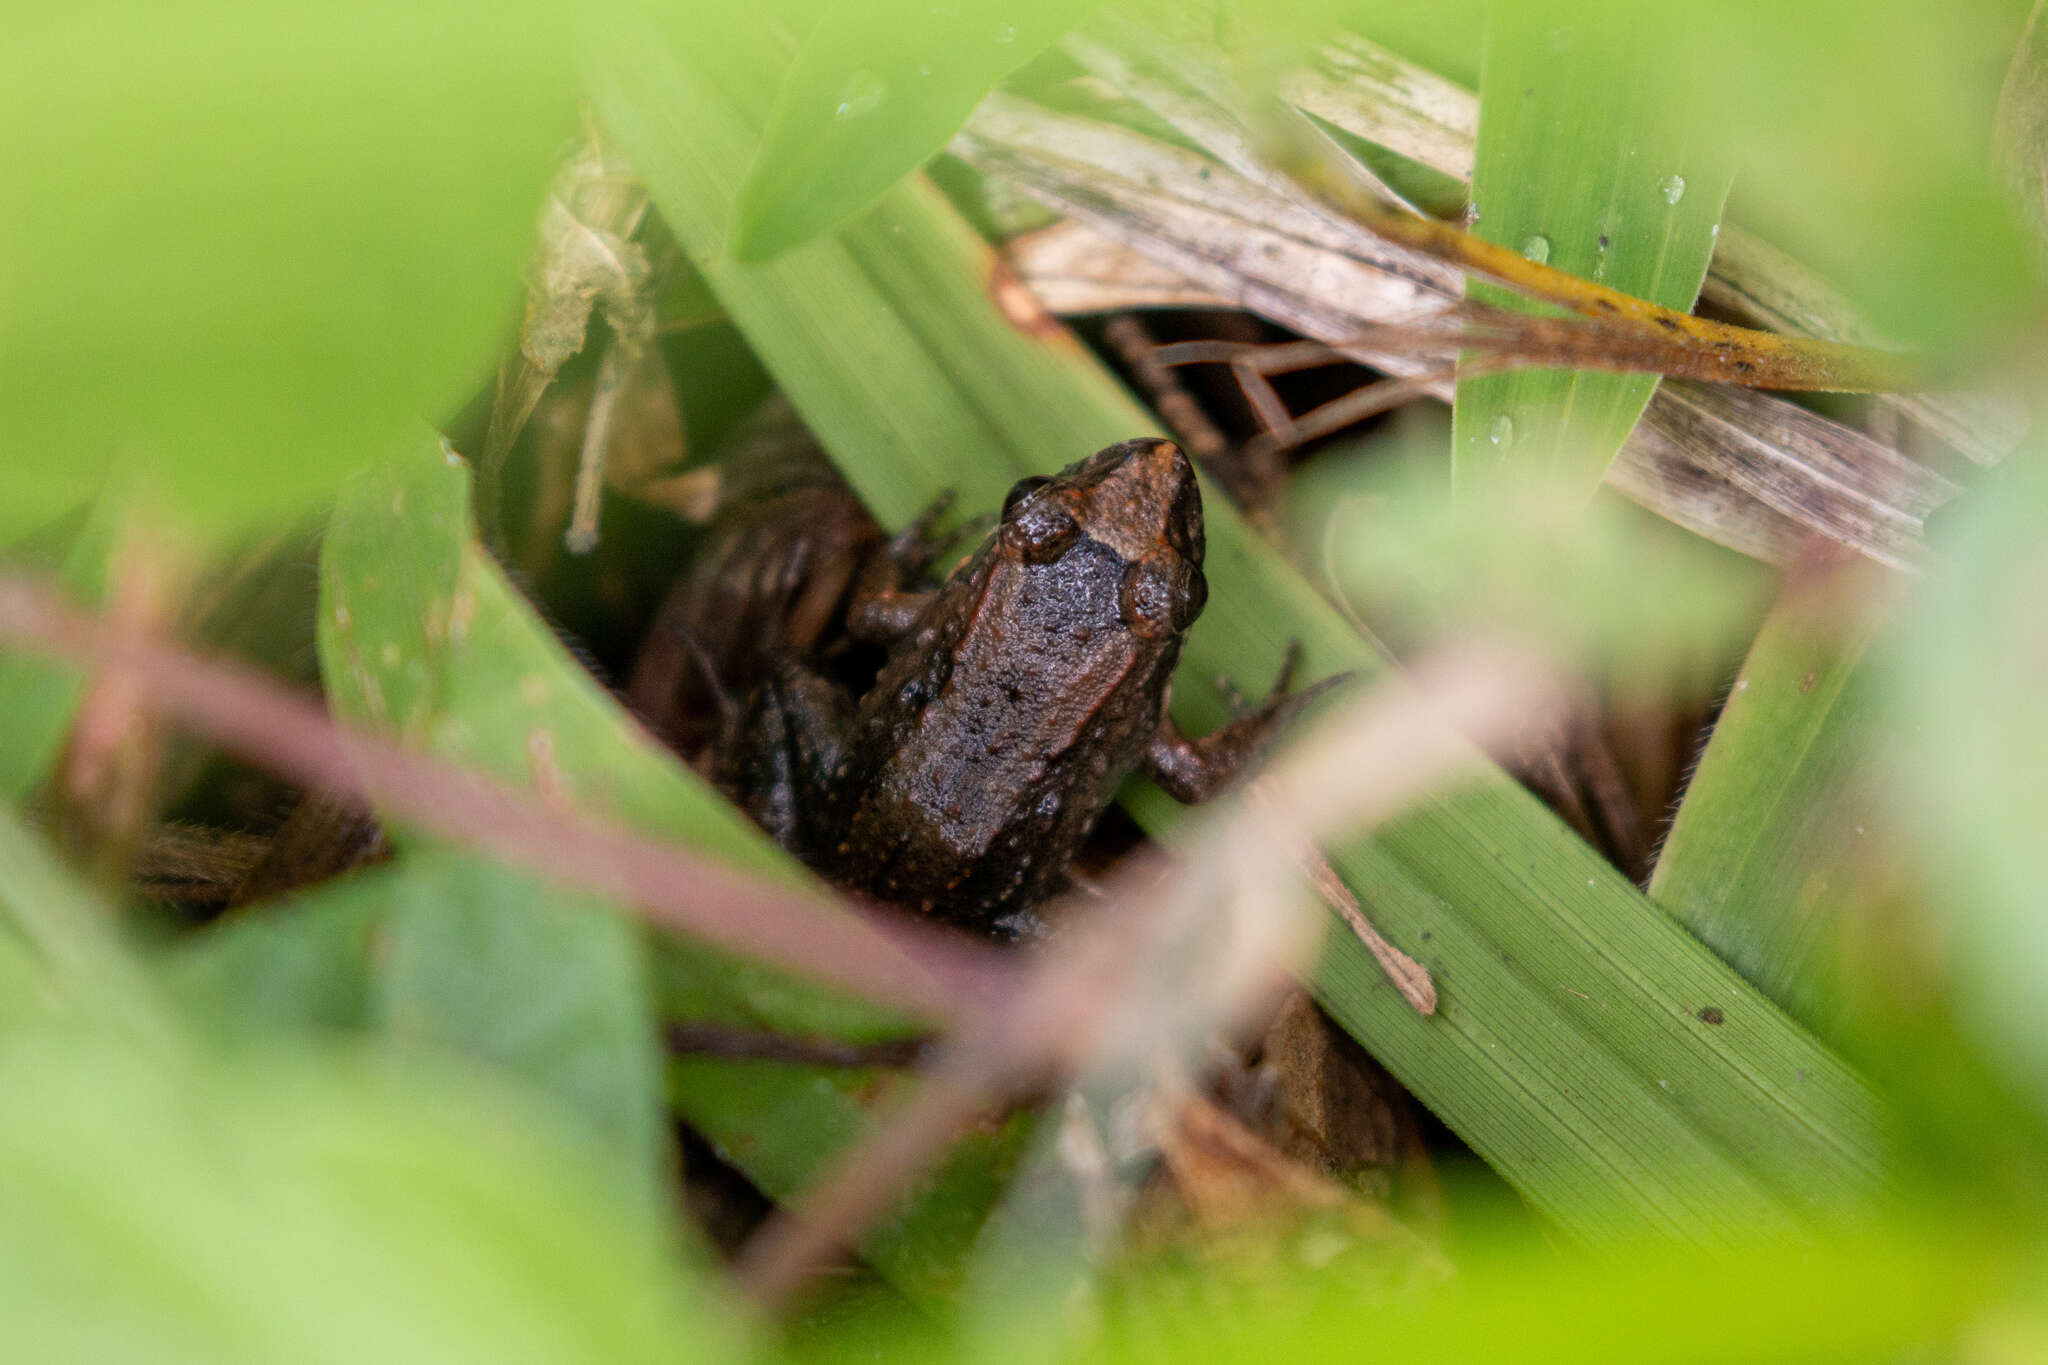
(878, 88)
(1966, 702)
(305, 1206)
(1862, 128)
(1897, 1289)
(420, 632)
(248, 245)
(484, 961)
(1589, 158)
(70, 931)
(550, 987)
(1602, 584)
(1768, 852)
(304, 962)
(1569, 1049)
(39, 696)
(446, 951)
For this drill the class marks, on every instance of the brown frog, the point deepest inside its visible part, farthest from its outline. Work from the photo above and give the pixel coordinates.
(1015, 699)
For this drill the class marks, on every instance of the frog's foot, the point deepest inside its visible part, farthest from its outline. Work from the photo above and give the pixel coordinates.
(1290, 664)
(912, 551)
(886, 600)
(1194, 770)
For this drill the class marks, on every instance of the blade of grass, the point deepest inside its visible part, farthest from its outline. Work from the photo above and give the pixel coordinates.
(1569, 1049)
(1583, 163)
(1375, 95)
(1760, 859)
(878, 87)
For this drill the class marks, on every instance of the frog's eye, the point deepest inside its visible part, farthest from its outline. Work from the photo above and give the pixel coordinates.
(1188, 605)
(1021, 490)
(1161, 597)
(1038, 531)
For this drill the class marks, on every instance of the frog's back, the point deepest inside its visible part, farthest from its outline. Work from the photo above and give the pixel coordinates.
(970, 785)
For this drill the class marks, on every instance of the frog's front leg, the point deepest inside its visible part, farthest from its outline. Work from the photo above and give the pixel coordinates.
(886, 599)
(782, 766)
(1196, 770)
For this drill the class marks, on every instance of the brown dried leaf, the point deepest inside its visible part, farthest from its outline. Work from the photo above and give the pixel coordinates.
(1256, 248)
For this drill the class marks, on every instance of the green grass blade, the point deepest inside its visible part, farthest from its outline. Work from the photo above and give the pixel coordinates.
(1571, 1050)
(1766, 843)
(877, 89)
(1583, 161)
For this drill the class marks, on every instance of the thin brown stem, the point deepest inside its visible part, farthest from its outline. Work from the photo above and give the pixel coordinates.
(702, 1039)
(1069, 1012)
(943, 976)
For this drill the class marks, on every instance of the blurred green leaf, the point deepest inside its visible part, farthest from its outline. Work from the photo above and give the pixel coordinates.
(1864, 134)
(39, 696)
(303, 962)
(482, 960)
(879, 87)
(1568, 1049)
(1898, 1290)
(451, 653)
(1969, 678)
(782, 1123)
(71, 934)
(551, 987)
(1590, 158)
(310, 1207)
(1603, 585)
(247, 247)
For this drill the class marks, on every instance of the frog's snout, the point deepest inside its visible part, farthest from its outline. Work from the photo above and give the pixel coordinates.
(1145, 499)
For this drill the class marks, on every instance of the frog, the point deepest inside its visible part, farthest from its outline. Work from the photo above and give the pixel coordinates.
(781, 556)
(1015, 698)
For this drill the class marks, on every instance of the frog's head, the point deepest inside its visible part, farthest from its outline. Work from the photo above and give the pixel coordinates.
(1138, 499)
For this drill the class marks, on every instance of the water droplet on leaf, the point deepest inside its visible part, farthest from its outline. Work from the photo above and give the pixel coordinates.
(862, 94)
(1007, 34)
(1673, 187)
(1537, 248)
(1502, 432)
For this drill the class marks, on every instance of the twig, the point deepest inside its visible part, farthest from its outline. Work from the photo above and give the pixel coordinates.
(1143, 356)
(1410, 977)
(725, 1040)
(941, 975)
(1074, 1009)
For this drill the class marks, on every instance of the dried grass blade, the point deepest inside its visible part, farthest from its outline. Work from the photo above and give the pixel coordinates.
(1234, 241)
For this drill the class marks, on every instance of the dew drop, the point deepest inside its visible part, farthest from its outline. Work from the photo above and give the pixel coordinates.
(1502, 432)
(1537, 248)
(862, 94)
(1673, 187)
(1007, 34)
